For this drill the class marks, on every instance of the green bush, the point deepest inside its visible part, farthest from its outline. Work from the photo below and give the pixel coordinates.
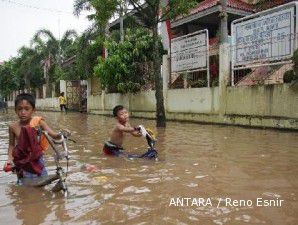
(120, 71)
(292, 76)
(289, 76)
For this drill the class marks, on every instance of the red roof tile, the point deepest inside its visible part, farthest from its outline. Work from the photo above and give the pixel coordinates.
(270, 4)
(236, 4)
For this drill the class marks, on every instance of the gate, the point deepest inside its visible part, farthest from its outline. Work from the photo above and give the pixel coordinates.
(76, 95)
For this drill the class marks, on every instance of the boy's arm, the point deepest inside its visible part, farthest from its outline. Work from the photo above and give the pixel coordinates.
(129, 129)
(46, 128)
(11, 144)
(136, 134)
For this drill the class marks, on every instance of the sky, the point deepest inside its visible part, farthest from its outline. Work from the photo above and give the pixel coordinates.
(20, 19)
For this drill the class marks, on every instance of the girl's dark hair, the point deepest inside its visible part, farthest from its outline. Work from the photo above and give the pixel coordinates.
(117, 109)
(25, 96)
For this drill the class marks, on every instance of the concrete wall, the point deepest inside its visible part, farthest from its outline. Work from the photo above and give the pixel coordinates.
(51, 104)
(193, 100)
(48, 104)
(266, 101)
(196, 100)
(274, 106)
(111, 100)
(261, 106)
(143, 102)
(95, 102)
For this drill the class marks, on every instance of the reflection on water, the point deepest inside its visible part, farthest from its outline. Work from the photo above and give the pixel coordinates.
(196, 161)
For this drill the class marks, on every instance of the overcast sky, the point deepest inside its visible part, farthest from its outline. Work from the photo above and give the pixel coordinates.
(20, 19)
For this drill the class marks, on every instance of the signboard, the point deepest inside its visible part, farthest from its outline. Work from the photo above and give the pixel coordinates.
(264, 37)
(190, 52)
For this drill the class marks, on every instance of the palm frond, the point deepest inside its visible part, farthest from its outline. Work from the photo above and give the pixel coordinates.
(81, 5)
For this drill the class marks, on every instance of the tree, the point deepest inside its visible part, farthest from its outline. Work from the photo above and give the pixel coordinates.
(8, 79)
(151, 13)
(291, 76)
(121, 70)
(89, 47)
(25, 71)
(53, 52)
(28, 67)
(21, 72)
(48, 44)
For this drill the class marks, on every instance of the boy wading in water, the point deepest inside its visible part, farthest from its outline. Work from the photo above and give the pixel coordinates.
(25, 149)
(114, 145)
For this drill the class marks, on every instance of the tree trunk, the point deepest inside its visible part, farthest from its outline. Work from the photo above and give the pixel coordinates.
(48, 88)
(27, 82)
(160, 110)
(47, 82)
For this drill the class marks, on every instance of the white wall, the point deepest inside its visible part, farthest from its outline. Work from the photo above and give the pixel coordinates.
(193, 100)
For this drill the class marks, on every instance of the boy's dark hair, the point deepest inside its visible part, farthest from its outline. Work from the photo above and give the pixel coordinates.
(62, 93)
(25, 96)
(117, 109)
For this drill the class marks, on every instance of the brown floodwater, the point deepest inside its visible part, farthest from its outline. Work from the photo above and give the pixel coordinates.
(221, 174)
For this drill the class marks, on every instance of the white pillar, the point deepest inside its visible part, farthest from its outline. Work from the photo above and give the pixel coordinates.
(224, 75)
(37, 93)
(53, 90)
(63, 86)
(89, 85)
(44, 91)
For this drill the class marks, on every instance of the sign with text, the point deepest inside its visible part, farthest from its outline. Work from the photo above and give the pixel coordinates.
(265, 37)
(189, 52)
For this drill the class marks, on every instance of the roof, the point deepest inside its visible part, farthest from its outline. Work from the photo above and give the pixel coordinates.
(69, 61)
(270, 4)
(236, 4)
(214, 5)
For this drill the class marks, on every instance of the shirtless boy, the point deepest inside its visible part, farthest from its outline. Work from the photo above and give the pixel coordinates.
(114, 145)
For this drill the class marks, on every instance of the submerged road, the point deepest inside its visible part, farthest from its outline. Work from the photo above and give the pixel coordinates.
(207, 174)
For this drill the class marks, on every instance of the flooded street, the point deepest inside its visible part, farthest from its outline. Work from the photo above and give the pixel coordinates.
(209, 162)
